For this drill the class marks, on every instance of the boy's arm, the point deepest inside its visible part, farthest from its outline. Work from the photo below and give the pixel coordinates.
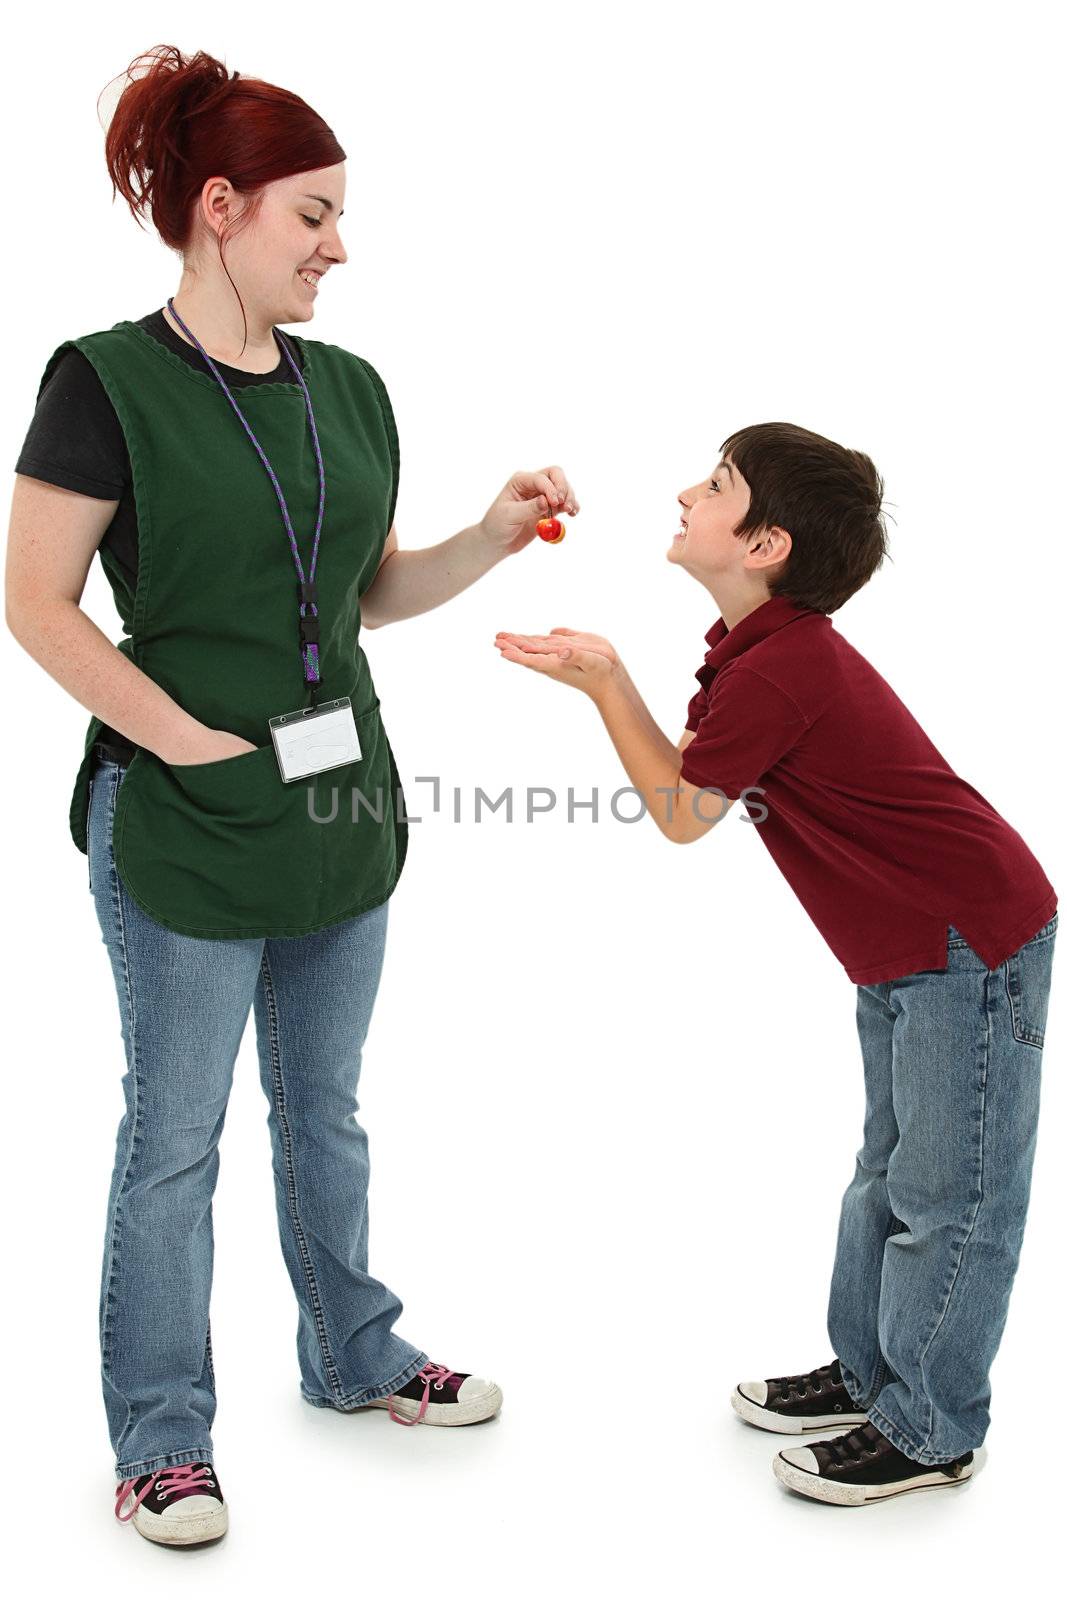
(646, 720)
(682, 812)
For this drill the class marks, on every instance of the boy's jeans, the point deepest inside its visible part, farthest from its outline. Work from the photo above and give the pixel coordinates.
(184, 1003)
(932, 1223)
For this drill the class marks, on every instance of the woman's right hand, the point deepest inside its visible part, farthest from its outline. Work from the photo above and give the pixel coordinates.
(211, 744)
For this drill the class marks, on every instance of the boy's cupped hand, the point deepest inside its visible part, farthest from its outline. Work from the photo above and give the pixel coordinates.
(586, 661)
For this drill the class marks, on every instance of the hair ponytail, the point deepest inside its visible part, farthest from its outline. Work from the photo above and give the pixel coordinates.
(182, 120)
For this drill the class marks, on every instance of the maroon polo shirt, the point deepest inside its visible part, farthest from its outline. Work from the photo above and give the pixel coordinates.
(882, 842)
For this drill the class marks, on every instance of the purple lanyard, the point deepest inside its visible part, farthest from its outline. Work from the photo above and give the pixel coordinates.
(309, 625)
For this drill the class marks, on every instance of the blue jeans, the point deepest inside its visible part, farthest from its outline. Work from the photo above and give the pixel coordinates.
(184, 1003)
(932, 1223)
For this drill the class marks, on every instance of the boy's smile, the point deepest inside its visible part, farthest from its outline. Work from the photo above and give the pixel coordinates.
(711, 510)
(733, 569)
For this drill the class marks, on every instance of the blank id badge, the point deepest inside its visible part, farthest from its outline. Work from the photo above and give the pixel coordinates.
(315, 739)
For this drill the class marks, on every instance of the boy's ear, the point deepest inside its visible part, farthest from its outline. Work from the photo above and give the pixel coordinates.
(771, 545)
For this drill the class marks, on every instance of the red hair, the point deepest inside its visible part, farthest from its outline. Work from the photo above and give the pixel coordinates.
(185, 120)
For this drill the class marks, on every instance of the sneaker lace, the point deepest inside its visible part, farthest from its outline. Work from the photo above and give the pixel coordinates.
(849, 1448)
(802, 1384)
(432, 1373)
(185, 1479)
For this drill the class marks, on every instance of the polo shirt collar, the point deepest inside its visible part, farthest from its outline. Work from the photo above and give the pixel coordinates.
(773, 614)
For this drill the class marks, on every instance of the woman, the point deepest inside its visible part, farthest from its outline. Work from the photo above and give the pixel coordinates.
(198, 448)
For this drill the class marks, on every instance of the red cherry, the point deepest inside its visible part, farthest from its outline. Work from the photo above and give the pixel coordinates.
(550, 529)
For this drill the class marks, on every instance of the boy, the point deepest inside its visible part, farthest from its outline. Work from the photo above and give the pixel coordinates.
(939, 913)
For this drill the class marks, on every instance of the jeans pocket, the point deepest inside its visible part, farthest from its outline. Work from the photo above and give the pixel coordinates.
(88, 828)
(1028, 975)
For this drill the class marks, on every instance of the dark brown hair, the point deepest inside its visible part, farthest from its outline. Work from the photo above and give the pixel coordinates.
(182, 121)
(828, 498)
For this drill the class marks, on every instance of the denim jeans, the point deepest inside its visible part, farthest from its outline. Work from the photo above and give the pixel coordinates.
(932, 1223)
(184, 1003)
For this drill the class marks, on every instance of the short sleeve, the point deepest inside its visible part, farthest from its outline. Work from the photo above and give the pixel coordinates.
(698, 705)
(391, 433)
(748, 726)
(75, 439)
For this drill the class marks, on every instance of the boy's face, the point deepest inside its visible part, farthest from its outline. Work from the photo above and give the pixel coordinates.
(705, 545)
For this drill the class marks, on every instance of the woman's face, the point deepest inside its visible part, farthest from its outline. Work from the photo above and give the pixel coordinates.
(295, 236)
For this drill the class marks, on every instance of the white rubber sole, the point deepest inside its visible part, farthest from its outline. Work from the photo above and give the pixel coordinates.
(201, 1529)
(761, 1417)
(858, 1494)
(456, 1415)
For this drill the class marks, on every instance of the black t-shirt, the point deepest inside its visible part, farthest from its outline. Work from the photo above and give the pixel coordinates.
(75, 440)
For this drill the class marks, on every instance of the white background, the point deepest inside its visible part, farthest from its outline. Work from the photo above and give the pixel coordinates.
(613, 1087)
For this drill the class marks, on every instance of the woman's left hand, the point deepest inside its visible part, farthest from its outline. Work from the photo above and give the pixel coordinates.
(511, 521)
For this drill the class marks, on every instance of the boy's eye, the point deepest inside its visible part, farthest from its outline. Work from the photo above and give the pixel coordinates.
(314, 222)
(712, 484)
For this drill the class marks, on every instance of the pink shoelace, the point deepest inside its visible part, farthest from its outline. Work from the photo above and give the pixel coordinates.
(176, 1482)
(433, 1374)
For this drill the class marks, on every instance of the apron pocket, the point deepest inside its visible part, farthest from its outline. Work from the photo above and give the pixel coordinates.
(225, 849)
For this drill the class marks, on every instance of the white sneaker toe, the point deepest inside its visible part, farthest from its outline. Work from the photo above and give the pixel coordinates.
(473, 1390)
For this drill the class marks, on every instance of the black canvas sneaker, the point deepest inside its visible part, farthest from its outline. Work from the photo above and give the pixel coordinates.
(176, 1505)
(439, 1395)
(860, 1466)
(805, 1403)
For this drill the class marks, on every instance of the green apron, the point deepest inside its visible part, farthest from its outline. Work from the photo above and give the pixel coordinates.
(224, 849)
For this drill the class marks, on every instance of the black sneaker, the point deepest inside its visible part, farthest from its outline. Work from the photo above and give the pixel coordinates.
(457, 1398)
(806, 1403)
(176, 1505)
(862, 1465)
